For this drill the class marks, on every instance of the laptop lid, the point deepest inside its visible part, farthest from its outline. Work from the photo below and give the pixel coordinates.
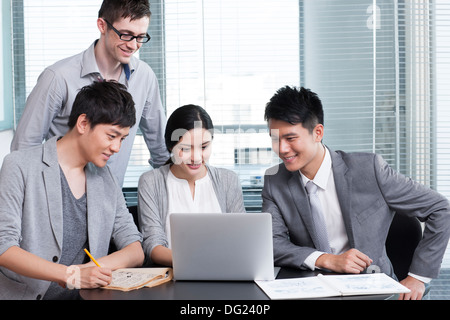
(227, 246)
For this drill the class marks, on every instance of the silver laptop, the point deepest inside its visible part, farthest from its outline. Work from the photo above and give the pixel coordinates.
(226, 246)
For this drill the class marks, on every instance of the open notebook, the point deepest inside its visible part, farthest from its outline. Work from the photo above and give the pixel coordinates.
(331, 286)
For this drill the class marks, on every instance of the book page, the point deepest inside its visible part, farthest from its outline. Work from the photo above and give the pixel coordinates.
(128, 279)
(134, 278)
(297, 288)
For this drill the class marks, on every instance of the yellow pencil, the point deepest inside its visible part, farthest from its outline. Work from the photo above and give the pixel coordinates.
(92, 258)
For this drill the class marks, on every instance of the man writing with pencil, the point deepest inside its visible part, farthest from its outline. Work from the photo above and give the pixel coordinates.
(60, 198)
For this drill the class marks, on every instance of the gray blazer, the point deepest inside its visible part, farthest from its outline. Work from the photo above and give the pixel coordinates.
(153, 204)
(31, 214)
(369, 193)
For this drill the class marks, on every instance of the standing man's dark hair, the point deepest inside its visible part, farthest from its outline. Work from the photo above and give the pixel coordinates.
(113, 10)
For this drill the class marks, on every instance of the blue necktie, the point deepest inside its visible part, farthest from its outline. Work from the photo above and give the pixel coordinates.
(318, 219)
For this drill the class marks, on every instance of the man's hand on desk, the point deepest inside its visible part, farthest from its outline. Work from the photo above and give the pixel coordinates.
(351, 261)
(354, 261)
(416, 286)
(86, 276)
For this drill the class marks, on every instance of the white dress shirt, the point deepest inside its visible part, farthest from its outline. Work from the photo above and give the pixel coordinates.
(181, 201)
(331, 210)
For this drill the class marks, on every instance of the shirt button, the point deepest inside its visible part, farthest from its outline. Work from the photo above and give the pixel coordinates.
(55, 259)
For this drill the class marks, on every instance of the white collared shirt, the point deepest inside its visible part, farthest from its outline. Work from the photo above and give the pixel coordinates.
(326, 191)
(181, 201)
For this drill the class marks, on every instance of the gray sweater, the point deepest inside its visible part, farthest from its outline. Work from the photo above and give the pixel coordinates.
(154, 206)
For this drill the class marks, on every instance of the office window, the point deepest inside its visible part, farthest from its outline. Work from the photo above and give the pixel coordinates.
(45, 32)
(380, 68)
(153, 53)
(349, 59)
(441, 96)
(230, 57)
(442, 80)
(6, 104)
(372, 63)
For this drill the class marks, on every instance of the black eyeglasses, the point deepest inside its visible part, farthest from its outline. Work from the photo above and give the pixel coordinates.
(129, 37)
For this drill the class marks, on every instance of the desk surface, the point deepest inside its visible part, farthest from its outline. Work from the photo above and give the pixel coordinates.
(206, 290)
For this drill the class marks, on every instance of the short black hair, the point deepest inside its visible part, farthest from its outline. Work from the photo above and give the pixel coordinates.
(295, 106)
(105, 102)
(113, 10)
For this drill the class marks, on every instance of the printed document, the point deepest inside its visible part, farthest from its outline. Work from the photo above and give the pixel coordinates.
(331, 286)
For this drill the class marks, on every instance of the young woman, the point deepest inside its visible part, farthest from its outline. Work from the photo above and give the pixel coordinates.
(186, 184)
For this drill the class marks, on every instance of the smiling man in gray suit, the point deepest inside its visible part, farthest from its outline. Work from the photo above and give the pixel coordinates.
(357, 197)
(59, 198)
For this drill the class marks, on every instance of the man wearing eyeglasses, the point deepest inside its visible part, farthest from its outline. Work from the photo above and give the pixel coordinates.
(123, 28)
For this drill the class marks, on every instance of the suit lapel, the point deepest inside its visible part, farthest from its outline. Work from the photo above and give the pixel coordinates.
(52, 185)
(301, 201)
(343, 183)
(52, 182)
(95, 197)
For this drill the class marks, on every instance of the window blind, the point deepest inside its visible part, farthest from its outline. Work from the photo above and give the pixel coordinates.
(350, 61)
(152, 53)
(45, 31)
(441, 76)
(416, 77)
(54, 30)
(230, 57)
(380, 67)
(374, 64)
(442, 84)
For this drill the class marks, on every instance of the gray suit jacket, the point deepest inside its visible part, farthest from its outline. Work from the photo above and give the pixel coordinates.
(369, 194)
(31, 214)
